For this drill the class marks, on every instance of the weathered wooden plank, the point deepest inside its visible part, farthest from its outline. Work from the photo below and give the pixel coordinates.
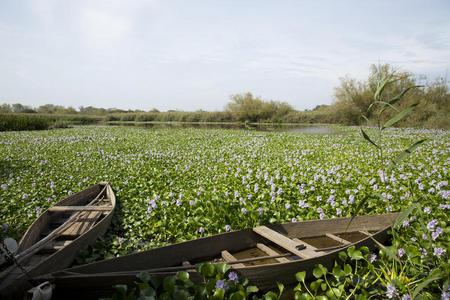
(80, 208)
(228, 257)
(284, 242)
(337, 239)
(271, 252)
(85, 222)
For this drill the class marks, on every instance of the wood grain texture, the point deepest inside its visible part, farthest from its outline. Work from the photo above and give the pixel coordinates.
(80, 208)
(337, 239)
(271, 252)
(284, 242)
(228, 257)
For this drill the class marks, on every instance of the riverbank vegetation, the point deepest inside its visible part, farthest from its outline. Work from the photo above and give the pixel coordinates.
(351, 99)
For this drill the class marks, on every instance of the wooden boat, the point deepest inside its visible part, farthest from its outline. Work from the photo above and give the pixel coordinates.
(264, 255)
(53, 240)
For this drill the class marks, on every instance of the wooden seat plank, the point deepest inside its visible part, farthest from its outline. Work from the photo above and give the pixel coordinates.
(80, 208)
(284, 242)
(337, 239)
(269, 251)
(84, 222)
(228, 257)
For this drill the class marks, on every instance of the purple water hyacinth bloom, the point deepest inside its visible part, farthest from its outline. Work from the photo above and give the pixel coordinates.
(406, 297)
(191, 202)
(280, 191)
(287, 205)
(424, 251)
(220, 284)
(5, 226)
(24, 196)
(69, 193)
(427, 210)
(438, 251)
(319, 210)
(351, 199)
(432, 224)
(120, 240)
(201, 229)
(227, 227)
(437, 233)
(338, 211)
(424, 236)
(401, 252)
(233, 276)
(391, 291)
(446, 295)
(243, 210)
(260, 210)
(373, 257)
(178, 203)
(322, 216)
(319, 198)
(294, 220)
(4, 187)
(413, 239)
(405, 223)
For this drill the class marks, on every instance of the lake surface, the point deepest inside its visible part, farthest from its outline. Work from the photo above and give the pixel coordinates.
(302, 128)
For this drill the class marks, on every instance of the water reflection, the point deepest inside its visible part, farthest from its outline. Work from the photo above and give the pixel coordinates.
(303, 128)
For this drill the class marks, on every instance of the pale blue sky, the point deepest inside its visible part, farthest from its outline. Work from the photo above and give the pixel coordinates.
(193, 55)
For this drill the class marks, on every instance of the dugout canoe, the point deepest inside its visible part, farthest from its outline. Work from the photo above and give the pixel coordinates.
(264, 255)
(54, 239)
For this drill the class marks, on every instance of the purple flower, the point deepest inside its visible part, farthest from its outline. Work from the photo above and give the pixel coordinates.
(178, 203)
(432, 224)
(294, 220)
(120, 240)
(236, 194)
(405, 223)
(191, 202)
(438, 251)
(260, 210)
(319, 210)
(401, 252)
(391, 291)
(69, 193)
(373, 257)
(220, 284)
(338, 211)
(424, 251)
(24, 196)
(287, 205)
(5, 226)
(424, 236)
(233, 276)
(4, 187)
(280, 190)
(427, 210)
(321, 216)
(227, 227)
(406, 297)
(201, 229)
(243, 210)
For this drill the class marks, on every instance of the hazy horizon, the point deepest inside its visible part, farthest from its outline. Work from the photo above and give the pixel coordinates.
(193, 55)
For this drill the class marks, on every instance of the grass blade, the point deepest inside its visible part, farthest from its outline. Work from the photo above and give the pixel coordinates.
(402, 155)
(438, 274)
(404, 214)
(368, 138)
(398, 97)
(399, 116)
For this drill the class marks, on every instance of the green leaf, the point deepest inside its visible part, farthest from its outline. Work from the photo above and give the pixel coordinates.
(206, 269)
(143, 276)
(399, 116)
(301, 276)
(321, 297)
(315, 285)
(365, 136)
(402, 155)
(270, 296)
(386, 250)
(319, 271)
(302, 296)
(338, 272)
(398, 97)
(121, 288)
(182, 276)
(347, 269)
(280, 288)
(252, 289)
(222, 268)
(218, 294)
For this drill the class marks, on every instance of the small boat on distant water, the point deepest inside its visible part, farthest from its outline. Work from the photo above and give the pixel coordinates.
(54, 239)
(264, 254)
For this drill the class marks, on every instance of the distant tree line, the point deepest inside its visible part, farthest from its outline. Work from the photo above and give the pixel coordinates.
(351, 99)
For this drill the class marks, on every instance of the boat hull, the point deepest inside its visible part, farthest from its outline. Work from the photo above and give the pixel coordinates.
(96, 279)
